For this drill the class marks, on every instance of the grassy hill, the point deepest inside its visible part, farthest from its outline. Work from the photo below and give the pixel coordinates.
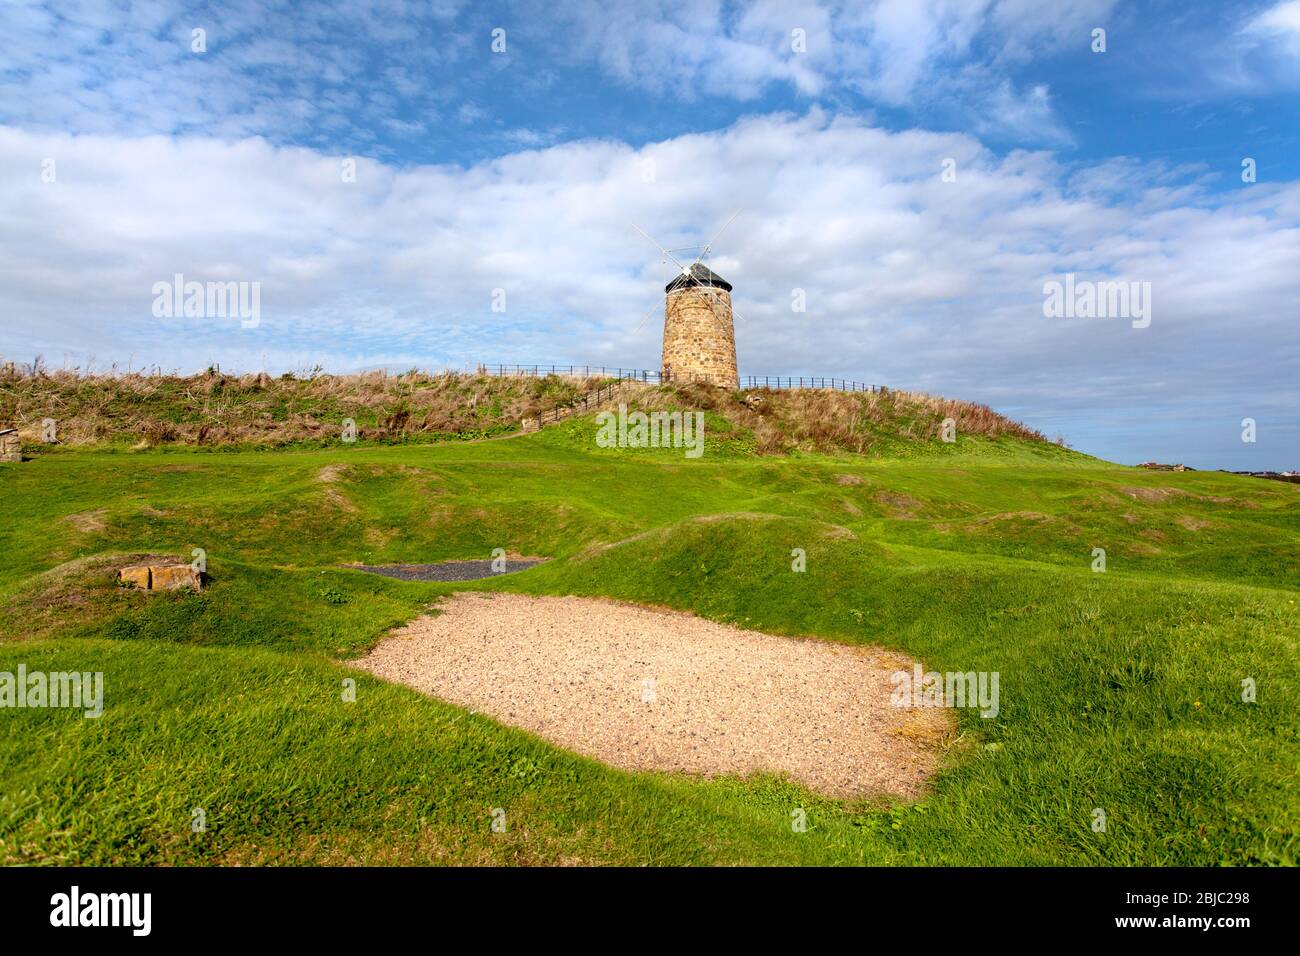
(215, 410)
(1121, 690)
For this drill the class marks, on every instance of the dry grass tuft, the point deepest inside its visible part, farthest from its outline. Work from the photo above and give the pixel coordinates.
(821, 420)
(212, 408)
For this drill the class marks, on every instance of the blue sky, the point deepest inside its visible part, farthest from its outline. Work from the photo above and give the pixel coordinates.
(826, 125)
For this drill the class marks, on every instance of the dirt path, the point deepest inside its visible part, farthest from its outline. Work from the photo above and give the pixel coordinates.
(645, 689)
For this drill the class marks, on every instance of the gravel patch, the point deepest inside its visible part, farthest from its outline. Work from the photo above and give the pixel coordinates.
(647, 689)
(446, 571)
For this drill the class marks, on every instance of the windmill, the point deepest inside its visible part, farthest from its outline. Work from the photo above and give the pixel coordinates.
(699, 337)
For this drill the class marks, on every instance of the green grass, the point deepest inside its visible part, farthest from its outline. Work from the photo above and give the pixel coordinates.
(1119, 690)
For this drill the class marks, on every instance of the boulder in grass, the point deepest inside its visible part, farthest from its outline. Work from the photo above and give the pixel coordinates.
(136, 575)
(11, 447)
(169, 576)
(174, 576)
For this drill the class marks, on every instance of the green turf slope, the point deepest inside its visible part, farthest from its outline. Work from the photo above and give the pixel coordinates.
(1120, 691)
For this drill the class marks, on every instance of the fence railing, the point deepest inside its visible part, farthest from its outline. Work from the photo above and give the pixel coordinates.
(649, 376)
(807, 381)
(573, 371)
(580, 405)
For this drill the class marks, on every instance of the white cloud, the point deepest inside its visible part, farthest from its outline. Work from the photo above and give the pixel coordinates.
(323, 74)
(909, 280)
(947, 56)
(1238, 53)
(1279, 25)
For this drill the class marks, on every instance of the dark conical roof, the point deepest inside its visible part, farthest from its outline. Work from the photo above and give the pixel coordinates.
(700, 275)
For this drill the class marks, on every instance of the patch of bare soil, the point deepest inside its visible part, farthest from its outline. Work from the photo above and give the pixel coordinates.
(378, 538)
(898, 505)
(68, 585)
(88, 522)
(1193, 524)
(847, 480)
(1153, 494)
(648, 689)
(1160, 495)
(328, 476)
(1225, 500)
(1034, 516)
(837, 531)
(1007, 520)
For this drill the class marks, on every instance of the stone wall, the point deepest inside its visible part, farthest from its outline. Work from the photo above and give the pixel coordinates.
(699, 340)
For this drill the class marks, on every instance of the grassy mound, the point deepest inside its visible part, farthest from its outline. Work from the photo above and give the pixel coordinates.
(216, 410)
(1121, 690)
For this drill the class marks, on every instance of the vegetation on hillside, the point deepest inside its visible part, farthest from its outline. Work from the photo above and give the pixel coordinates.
(828, 421)
(212, 409)
(215, 409)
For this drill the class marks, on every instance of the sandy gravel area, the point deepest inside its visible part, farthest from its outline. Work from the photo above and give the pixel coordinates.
(647, 689)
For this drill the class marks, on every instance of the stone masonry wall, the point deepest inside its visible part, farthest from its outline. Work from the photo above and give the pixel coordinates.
(699, 339)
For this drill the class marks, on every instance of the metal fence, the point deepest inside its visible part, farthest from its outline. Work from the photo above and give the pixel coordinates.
(581, 405)
(648, 377)
(573, 371)
(807, 381)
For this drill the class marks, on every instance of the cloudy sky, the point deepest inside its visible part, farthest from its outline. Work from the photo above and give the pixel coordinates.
(915, 170)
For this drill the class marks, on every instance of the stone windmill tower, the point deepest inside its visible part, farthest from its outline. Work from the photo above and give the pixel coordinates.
(699, 335)
(699, 331)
